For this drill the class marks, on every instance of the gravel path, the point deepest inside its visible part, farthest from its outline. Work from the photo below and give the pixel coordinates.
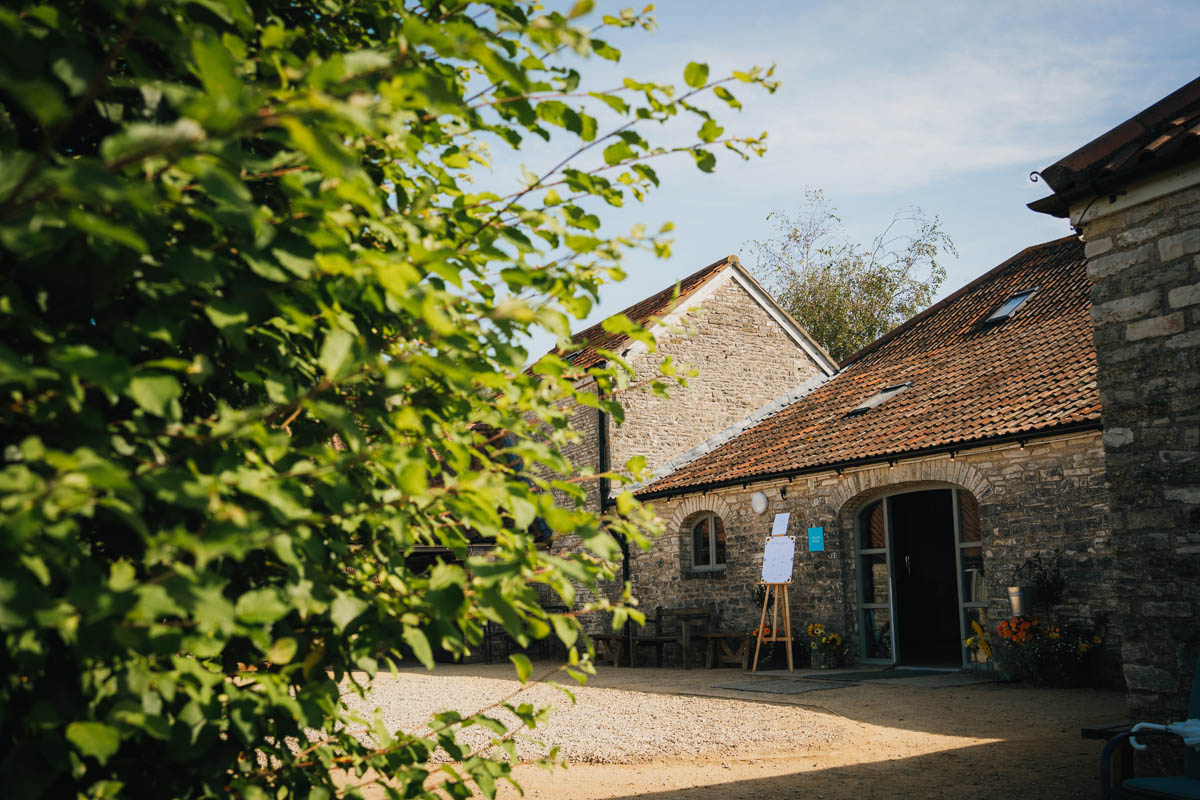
(603, 726)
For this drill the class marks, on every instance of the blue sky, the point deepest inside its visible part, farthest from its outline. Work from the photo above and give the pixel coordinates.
(943, 105)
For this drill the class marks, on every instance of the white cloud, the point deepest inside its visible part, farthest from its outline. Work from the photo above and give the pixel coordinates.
(880, 97)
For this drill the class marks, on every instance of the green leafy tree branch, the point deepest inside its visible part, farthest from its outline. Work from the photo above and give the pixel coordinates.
(267, 423)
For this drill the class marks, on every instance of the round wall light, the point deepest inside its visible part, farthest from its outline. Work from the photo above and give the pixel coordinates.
(758, 502)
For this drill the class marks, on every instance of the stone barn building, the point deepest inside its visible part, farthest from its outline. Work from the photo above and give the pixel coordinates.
(1053, 404)
(936, 462)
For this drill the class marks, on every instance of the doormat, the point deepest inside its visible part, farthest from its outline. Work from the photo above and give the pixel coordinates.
(879, 675)
(779, 686)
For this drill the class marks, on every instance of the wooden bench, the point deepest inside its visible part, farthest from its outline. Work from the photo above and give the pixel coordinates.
(610, 647)
(692, 621)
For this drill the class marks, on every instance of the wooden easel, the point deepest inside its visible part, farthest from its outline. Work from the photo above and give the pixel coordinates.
(777, 590)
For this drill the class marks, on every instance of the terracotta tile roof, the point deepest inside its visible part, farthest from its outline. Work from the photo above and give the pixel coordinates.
(655, 306)
(1162, 135)
(970, 383)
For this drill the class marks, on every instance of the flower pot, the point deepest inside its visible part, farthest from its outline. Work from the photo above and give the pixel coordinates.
(1019, 599)
(821, 659)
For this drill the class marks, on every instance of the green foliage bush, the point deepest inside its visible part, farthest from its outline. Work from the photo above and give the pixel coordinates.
(261, 347)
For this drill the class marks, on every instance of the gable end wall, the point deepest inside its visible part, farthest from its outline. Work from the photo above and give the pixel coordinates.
(744, 360)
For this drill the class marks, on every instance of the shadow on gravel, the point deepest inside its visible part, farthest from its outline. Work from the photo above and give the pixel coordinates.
(987, 770)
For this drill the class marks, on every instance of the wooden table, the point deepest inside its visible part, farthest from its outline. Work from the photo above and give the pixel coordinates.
(613, 643)
(726, 648)
(689, 619)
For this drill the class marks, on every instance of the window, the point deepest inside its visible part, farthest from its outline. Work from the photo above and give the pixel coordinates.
(880, 397)
(1009, 306)
(708, 543)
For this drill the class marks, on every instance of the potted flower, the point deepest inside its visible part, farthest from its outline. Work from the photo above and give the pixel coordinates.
(1053, 653)
(825, 647)
(979, 646)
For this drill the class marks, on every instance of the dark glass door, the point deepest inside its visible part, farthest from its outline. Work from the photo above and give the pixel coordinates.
(924, 556)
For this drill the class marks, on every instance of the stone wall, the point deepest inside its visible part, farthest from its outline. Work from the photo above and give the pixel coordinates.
(1144, 263)
(584, 453)
(1050, 494)
(744, 360)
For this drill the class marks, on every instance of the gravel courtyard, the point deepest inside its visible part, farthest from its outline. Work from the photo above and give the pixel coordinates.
(671, 733)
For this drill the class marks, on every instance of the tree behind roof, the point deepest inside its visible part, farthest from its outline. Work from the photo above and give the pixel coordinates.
(847, 295)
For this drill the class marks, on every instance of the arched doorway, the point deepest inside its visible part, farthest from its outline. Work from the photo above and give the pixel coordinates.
(920, 576)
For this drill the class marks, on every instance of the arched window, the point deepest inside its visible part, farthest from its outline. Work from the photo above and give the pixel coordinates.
(708, 542)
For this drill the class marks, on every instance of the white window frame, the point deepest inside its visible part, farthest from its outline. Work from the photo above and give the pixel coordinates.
(878, 399)
(712, 542)
(998, 314)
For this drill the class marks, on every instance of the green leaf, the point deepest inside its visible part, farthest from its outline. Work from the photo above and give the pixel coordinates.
(705, 160)
(154, 393)
(605, 50)
(283, 650)
(523, 665)
(710, 131)
(581, 8)
(42, 99)
(612, 101)
(415, 639)
(727, 96)
(121, 576)
(565, 628)
(142, 139)
(261, 606)
(107, 230)
(345, 609)
(230, 319)
(75, 69)
(619, 323)
(618, 152)
(216, 68)
(335, 351)
(95, 739)
(695, 74)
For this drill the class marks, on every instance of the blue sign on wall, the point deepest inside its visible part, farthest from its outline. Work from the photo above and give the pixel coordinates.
(816, 540)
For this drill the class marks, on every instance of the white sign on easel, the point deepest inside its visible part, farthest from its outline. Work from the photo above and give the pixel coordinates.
(779, 553)
(777, 559)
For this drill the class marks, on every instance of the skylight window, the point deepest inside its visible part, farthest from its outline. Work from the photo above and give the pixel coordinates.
(879, 398)
(1010, 306)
